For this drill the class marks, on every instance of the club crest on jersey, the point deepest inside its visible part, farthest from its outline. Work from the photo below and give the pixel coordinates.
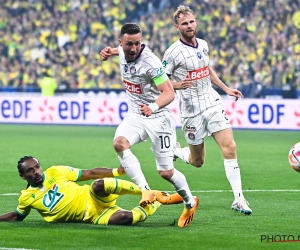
(125, 68)
(132, 70)
(205, 52)
(191, 136)
(199, 55)
(52, 197)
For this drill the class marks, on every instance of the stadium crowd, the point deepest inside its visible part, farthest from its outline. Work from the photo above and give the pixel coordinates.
(254, 44)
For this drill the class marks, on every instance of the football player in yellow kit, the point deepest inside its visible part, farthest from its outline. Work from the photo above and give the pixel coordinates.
(56, 195)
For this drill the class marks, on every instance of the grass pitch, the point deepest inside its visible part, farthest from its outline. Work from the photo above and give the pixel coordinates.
(269, 184)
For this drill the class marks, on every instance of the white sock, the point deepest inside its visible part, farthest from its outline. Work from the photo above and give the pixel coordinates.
(133, 168)
(181, 186)
(183, 154)
(233, 174)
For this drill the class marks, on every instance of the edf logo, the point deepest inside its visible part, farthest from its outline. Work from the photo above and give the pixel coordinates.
(15, 109)
(266, 113)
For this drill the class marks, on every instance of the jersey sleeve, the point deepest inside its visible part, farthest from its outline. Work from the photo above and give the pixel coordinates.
(155, 70)
(72, 174)
(23, 209)
(120, 50)
(158, 75)
(205, 45)
(121, 55)
(168, 63)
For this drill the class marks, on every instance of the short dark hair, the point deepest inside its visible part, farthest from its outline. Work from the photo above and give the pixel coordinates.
(131, 29)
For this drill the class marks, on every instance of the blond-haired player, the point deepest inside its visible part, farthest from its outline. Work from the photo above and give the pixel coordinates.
(186, 62)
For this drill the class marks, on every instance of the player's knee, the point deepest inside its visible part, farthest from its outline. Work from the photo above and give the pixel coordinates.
(120, 144)
(229, 151)
(121, 217)
(167, 175)
(197, 161)
(98, 186)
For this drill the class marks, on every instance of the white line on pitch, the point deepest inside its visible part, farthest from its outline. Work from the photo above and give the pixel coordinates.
(11, 194)
(253, 190)
(15, 248)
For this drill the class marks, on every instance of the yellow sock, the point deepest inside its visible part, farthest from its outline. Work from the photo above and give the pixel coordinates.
(151, 209)
(120, 187)
(138, 214)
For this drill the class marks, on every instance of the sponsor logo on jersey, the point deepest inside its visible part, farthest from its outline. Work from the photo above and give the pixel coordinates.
(199, 55)
(52, 180)
(159, 71)
(199, 73)
(132, 70)
(132, 88)
(125, 68)
(205, 52)
(190, 129)
(52, 197)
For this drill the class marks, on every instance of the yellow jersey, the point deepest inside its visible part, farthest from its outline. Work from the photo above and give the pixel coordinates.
(59, 198)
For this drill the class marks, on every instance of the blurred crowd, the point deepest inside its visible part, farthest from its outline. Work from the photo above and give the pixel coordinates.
(254, 44)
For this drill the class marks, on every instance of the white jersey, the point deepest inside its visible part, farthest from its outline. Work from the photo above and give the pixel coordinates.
(138, 81)
(180, 60)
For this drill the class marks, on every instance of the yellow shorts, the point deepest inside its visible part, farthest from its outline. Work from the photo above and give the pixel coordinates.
(100, 209)
(105, 216)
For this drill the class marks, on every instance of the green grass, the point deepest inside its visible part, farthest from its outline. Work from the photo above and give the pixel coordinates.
(264, 166)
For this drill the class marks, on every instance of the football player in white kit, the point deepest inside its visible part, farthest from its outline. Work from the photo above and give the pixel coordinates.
(149, 91)
(187, 64)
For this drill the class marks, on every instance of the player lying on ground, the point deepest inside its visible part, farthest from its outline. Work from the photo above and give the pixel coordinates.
(58, 198)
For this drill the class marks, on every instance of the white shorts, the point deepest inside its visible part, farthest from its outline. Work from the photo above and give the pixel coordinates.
(211, 120)
(161, 131)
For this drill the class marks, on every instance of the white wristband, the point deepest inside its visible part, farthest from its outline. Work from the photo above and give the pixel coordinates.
(154, 107)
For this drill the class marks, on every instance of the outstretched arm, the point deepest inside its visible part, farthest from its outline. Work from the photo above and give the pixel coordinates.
(98, 173)
(108, 52)
(12, 216)
(217, 81)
